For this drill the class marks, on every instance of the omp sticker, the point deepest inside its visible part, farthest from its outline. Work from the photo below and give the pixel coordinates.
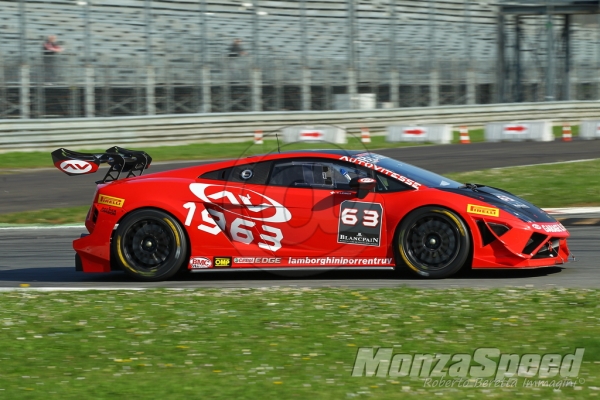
(200, 263)
(382, 170)
(360, 223)
(222, 262)
(481, 210)
(111, 201)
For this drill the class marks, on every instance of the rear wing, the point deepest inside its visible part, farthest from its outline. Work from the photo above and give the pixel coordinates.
(121, 160)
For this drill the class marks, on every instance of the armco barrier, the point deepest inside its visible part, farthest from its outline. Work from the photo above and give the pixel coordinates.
(434, 133)
(315, 133)
(539, 131)
(589, 129)
(192, 128)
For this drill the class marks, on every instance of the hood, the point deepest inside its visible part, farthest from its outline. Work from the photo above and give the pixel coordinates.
(503, 200)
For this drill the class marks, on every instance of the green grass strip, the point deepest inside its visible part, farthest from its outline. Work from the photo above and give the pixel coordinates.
(281, 343)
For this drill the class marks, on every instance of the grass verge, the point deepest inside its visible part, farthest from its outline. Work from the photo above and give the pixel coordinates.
(558, 185)
(282, 343)
(199, 151)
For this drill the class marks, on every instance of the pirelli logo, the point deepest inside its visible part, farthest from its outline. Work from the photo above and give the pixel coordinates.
(489, 211)
(111, 201)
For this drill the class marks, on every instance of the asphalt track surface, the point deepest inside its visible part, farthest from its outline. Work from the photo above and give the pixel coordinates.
(50, 188)
(44, 257)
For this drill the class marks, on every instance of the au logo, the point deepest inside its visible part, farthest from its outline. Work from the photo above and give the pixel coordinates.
(222, 262)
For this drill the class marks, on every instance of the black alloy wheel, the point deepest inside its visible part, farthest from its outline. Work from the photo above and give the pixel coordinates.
(149, 245)
(433, 242)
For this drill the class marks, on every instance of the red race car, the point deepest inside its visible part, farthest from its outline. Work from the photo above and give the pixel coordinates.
(302, 210)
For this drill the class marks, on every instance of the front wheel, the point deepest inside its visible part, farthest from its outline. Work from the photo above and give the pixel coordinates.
(149, 245)
(433, 242)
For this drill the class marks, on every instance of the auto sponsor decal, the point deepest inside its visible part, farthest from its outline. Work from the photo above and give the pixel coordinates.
(550, 228)
(251, 209)
(111, 201)
(222, 262)
(511, 201)
(369, 158)
(257, 260)
(108, 210)
(258, 204)
(481, 210)
(366, 180)
(360, 223)
(77, 167)
(200, 263)
(381, 170)
(339, 261)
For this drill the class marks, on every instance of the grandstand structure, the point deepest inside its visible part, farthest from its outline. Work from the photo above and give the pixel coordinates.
(144, 57)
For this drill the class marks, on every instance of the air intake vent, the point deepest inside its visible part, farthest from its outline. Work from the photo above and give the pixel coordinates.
(533, 242)
(487, 236)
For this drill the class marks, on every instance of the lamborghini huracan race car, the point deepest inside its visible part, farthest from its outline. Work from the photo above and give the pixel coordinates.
(302, 210)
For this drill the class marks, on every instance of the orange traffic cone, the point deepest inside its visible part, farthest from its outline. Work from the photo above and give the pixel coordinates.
(566, 132)
(258, 137)
(464, 135)
(365, 135)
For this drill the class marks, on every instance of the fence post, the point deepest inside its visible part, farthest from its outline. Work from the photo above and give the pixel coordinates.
(256, 89)
(471, 84)
(25, 99)
(206, 89)
(394, 88)
(352, 88)
(306, 94)
(90, 94)
(150, 94)
(434, 87)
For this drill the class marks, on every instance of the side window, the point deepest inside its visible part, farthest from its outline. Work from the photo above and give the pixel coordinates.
(309, 174)
(387, 184)
(343, 173)
(248, 173)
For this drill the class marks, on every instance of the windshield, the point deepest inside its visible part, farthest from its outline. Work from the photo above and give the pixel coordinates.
(417, 174)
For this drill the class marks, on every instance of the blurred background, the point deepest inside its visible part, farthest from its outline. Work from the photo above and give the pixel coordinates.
(146, 57)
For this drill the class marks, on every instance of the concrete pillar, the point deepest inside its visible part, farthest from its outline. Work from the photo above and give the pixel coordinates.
(256, 89)
(90, 95)
(352, 90)
(434, 88)
(471, 85)
(24, 96)
(306, 95)
(150, 90)
(206, 90)
(394, 88)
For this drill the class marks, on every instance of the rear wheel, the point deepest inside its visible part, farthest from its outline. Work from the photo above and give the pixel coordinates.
(433, 242)
(149, 245)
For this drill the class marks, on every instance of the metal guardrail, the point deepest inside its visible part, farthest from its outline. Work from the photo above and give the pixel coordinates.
(77, 133)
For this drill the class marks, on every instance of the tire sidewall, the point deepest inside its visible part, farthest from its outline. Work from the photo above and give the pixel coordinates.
(463, 237)
(175, 259)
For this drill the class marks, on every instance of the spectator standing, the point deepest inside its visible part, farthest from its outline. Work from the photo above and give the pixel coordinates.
(51, 49)
(236, 49)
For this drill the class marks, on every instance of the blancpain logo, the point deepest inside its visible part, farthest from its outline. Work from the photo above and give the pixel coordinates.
(359, 238)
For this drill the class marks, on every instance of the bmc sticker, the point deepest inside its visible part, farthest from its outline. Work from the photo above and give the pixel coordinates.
(222, 262)
(360, 223)
(489, 211)
(111, 201)
(200, 263)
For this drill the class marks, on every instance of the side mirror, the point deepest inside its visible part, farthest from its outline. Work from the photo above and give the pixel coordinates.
(362, 186)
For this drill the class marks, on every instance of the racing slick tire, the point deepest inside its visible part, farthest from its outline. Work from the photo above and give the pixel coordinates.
(149, 245)
(433, 242)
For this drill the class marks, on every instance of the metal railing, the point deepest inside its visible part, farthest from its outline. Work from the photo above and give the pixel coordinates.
(78, 133)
